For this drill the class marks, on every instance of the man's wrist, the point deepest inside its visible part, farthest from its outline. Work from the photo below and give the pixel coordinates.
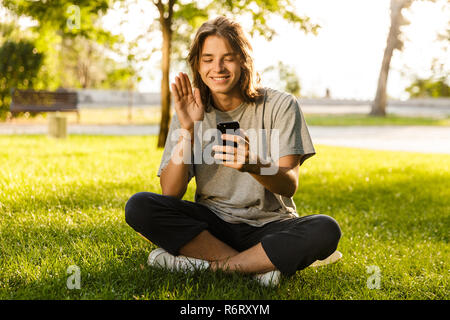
(255, 168)
(187, 135)
(263, 168)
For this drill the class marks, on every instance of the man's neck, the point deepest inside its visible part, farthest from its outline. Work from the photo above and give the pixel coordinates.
(227, 102)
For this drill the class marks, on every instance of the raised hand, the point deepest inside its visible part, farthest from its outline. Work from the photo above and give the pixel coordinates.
(188, 104)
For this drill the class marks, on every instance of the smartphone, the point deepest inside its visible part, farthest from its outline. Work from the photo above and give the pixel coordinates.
(228, 127)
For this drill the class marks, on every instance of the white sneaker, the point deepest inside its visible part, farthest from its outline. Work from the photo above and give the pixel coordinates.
(162, 259)
(335, 256)
(268, 279)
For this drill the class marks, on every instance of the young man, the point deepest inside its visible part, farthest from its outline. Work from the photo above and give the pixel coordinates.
(243, 218)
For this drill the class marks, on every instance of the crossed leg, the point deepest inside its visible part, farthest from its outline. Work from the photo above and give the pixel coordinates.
(221, 256)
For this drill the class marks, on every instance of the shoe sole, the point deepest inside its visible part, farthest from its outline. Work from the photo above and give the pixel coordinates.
(334, 257)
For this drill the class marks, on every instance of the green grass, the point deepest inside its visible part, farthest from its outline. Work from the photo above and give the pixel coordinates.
(152, 115)
(62, 203)
(366, 120)
(102, 116)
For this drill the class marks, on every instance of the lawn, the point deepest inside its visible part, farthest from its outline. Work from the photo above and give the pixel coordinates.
(62, 204)
(109, 115)
(151, 115)
(366, 120)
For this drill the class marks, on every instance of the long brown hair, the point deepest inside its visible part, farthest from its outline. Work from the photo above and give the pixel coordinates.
(232, 31)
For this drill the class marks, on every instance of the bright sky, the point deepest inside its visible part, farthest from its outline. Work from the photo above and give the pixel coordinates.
(346, 54)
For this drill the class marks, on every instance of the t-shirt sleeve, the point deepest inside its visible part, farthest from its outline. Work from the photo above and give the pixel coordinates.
(294, 137)
(171, 141)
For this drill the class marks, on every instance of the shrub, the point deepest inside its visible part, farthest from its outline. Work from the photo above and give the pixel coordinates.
(20, 63)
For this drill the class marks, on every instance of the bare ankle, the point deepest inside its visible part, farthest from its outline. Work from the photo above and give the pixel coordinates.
(207, 247)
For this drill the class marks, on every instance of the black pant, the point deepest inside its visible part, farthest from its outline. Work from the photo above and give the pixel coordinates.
(291, 244)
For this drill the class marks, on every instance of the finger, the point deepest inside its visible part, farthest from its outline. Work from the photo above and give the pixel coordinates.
(230, 150)
(225, 149)
(176, 95)
(225, 157)
(183, 84)
(179, 86)
(188, 83)
(242, 152)
(234, 138)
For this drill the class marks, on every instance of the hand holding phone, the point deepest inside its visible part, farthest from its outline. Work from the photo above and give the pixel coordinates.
(243, 158)
(228, 127)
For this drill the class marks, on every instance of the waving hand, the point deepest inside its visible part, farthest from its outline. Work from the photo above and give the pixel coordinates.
(188, 104)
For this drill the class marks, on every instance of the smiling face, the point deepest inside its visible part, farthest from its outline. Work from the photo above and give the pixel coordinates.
(220, 66)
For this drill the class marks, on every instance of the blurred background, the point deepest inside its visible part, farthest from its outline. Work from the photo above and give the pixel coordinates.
(365, 56)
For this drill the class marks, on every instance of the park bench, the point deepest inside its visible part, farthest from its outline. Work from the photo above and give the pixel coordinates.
(44, 101)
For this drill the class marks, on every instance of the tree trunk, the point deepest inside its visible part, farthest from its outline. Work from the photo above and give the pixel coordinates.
(165, 20)
(165, 91)
(380, 101)
(379, 104)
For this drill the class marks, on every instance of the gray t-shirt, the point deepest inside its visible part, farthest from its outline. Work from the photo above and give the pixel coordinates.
(236, 196)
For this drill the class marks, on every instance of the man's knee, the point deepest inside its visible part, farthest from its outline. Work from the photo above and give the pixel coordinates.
(136, 207)
(329, 231)
(330, 227)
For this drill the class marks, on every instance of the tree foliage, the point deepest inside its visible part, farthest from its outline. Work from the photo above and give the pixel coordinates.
(429, 88)
(437, 85)
(57, 15)
(288, 79)
(20, 63)
(74, 42)
(260, 11)
(85, 65)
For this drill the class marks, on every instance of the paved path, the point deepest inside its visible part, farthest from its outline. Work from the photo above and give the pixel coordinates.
(407, 111)
(397, 138)
(401, 138)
